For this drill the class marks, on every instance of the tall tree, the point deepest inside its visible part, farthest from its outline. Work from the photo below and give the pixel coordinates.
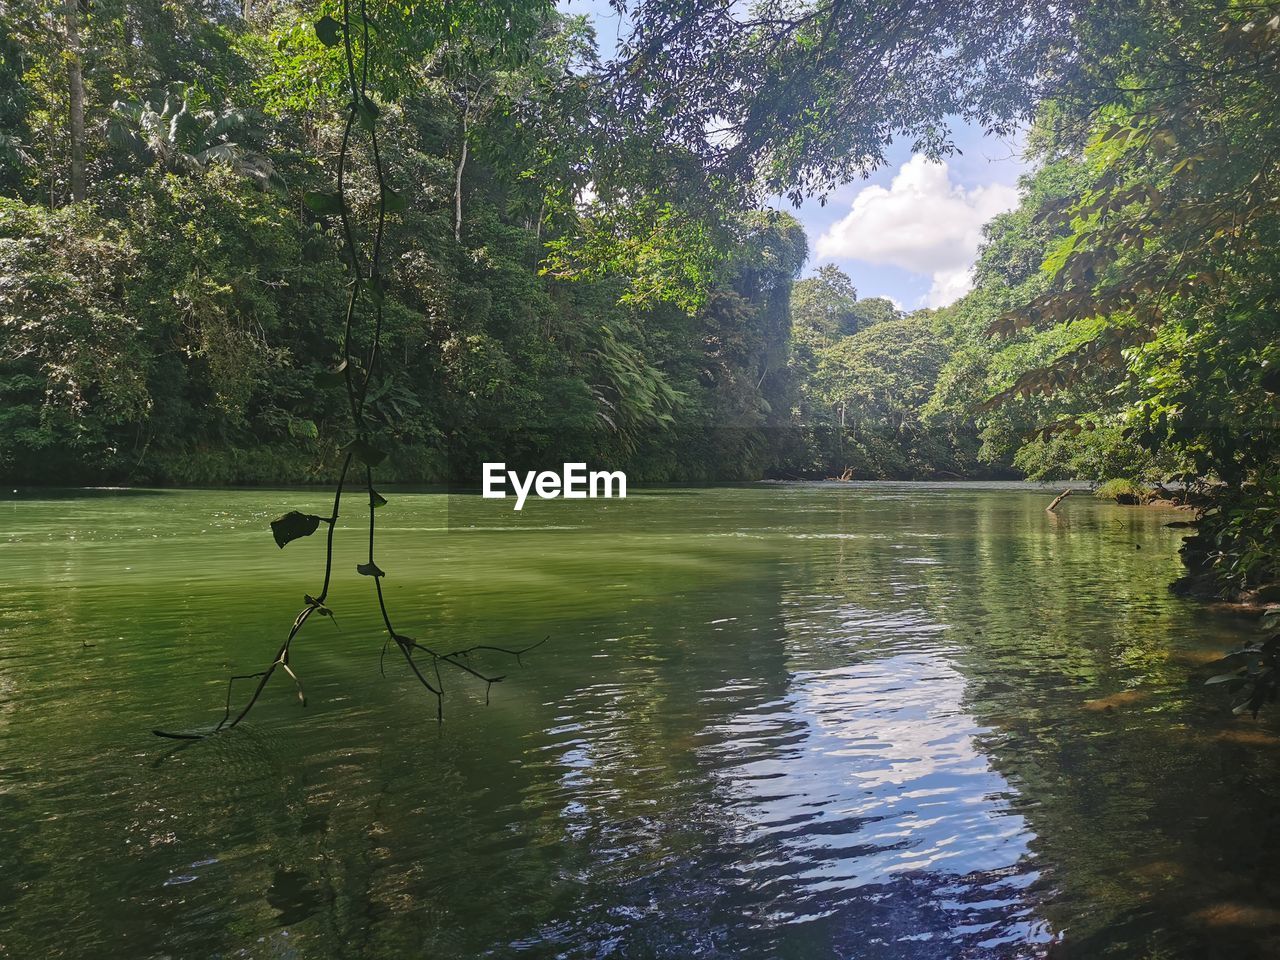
(72, 11)
(826, 302)
(1167, 277)
(796, 99)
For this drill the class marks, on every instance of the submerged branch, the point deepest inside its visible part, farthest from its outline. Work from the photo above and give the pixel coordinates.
(1057, 500)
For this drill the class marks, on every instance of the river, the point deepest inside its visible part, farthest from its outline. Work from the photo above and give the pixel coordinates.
(898, 721)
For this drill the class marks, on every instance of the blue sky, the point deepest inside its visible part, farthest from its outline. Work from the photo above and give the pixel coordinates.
(910, 231)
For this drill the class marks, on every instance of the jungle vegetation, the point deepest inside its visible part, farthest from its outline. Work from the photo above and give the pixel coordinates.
(582, 262)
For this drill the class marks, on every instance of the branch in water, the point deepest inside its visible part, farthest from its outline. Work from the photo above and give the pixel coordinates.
(1057, 500)
(361, 113)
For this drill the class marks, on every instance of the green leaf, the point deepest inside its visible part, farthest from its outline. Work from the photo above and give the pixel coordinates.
(367, 453)
(377, 499)
(323, 201)
(369, 570)
(304, 429)
(293, 525)
(329, 31)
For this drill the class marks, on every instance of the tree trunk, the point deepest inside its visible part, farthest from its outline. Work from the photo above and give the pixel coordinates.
(75, 98)
(457, 184)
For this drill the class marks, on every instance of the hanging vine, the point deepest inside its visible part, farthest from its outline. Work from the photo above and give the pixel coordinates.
(366, 275)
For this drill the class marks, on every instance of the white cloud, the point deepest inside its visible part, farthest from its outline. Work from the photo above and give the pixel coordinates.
(923, 223)
(948, 287)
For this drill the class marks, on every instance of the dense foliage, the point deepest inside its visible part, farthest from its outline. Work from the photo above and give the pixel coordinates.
(1158, 289)
(167, 302)
(575, 267)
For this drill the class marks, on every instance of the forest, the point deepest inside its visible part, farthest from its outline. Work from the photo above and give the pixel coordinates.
(581, 259)
(889, 628)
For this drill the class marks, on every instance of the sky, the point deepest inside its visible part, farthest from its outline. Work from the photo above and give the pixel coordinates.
(911, 230)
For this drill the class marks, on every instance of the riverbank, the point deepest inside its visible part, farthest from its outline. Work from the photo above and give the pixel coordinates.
(1231, 554)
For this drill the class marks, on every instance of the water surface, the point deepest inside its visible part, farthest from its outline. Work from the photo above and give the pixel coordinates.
(818, 721)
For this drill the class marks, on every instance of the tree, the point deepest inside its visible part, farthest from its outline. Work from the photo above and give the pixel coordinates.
(1165, 271)
(72, 11)
(184, 134)
(873, 386)
(826, 303)
(1008, 276)
(796, 100)
(873, 310)
(15, 134)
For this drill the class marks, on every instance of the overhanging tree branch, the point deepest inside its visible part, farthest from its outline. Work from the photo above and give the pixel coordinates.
(362, 114)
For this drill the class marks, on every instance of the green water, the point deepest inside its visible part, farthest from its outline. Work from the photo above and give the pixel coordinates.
(857, 721)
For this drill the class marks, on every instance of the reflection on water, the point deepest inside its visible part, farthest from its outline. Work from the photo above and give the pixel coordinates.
(880, 721)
